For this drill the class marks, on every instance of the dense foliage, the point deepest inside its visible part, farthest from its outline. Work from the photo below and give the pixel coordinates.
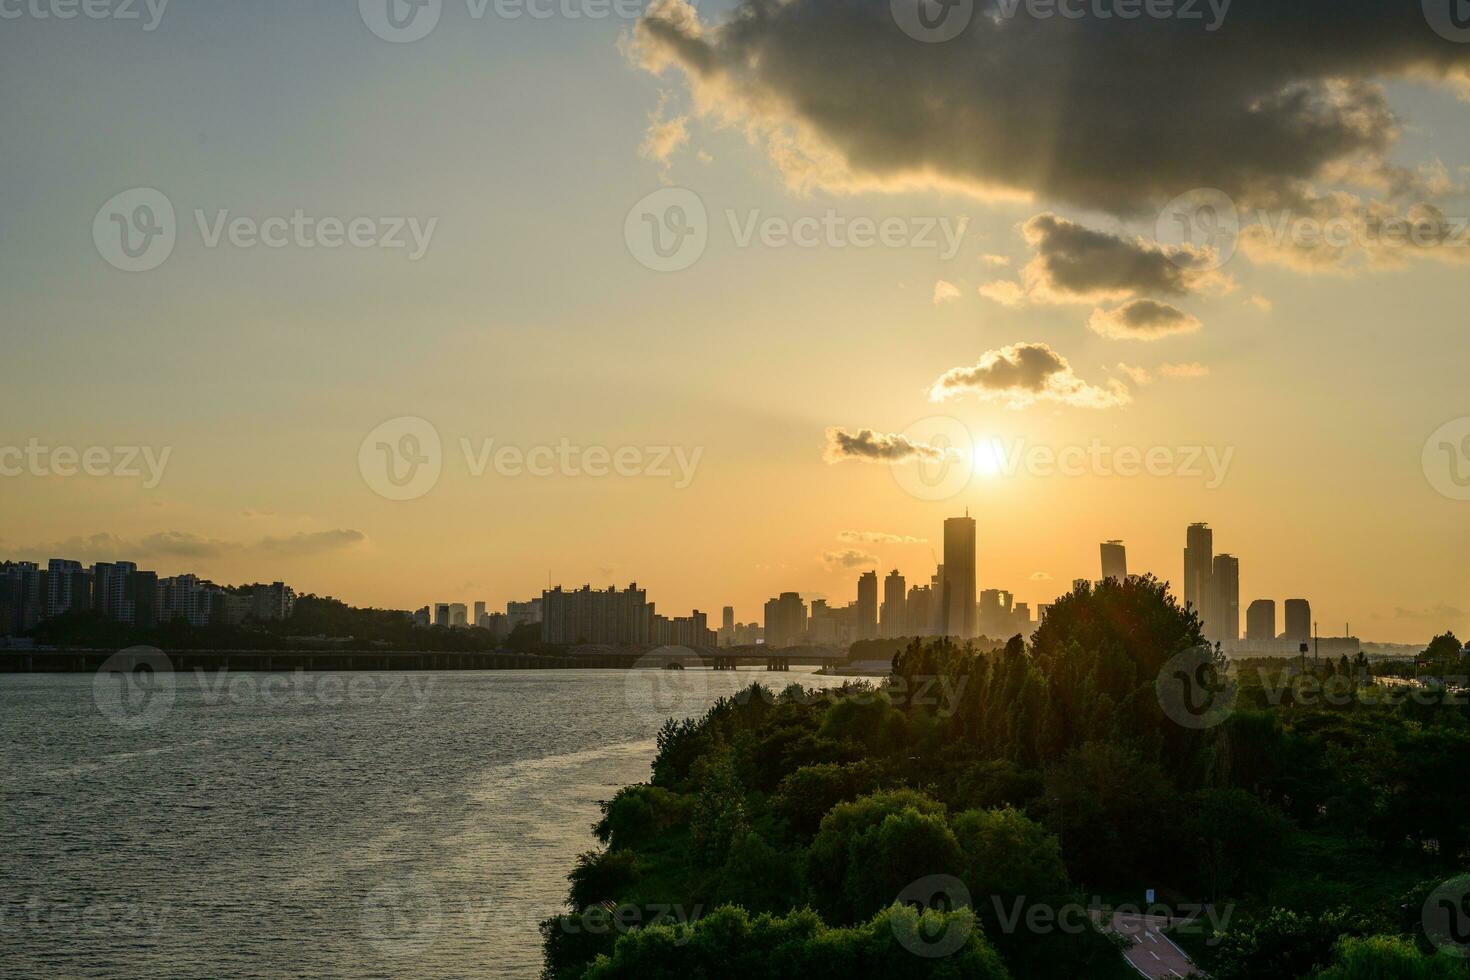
(789, 829)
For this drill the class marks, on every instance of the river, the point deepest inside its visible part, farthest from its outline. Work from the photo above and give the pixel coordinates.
(416, 824)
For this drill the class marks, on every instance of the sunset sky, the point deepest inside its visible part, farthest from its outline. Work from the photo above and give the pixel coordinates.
(1059, 320)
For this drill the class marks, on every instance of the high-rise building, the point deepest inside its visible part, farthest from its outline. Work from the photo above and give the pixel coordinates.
(959, 576)
(995, 615)
(867, 603)
(938, 614)
(479, 615)
(441, 614)
(68, 587)
(895, 604)
(1199, 561)
(920, 611)
(1225, 599)
(459, 615)
(1114, 561)
(785, 620)
(1260, 620)
(1298, 627)
(21, 606)
(603, 616)
(727, 619)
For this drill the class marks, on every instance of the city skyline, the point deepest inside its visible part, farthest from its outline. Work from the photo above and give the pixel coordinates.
(949, 604)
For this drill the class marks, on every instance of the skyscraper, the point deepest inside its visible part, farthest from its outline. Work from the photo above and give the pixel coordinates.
(867, 602)
(68, 587)
(895, 604)
(785, 620)
(1199, 560)
(959, 576)
(1225, 599)
(1260, 620)
(727, 619)
(1114, 561)
(1298, 620)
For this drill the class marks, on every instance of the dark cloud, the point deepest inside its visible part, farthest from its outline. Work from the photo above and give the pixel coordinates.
(1142, 319)
(1023, 374)
(187, 545)
(877, 447)
(1078, 264)
(1108, 114)
(304, 543)
(851, 558)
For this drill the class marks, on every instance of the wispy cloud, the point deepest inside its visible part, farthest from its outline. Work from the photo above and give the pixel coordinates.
(877, 537)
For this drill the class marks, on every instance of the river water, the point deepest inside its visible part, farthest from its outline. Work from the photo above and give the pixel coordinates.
(312, 825)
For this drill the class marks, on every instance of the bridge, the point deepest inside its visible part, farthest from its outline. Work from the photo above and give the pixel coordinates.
(49, 661)
(715, 658)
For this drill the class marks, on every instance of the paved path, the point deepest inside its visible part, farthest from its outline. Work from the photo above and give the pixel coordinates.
(1152, 953)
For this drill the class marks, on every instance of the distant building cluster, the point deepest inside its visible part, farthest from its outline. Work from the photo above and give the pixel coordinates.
(946, 605)
(1212, 590)
(574, 617)
(122, 593)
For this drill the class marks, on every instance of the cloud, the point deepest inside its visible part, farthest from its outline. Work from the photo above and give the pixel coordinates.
(106, 546)
(1142, 319)
(1023, 374)
(306, 543)
(877, 447)
(1439, 613)
(1261, 303)
(1343, 234)
(945, 291)
(1138, 375)
(188, 545)
(1076, 264)
(877, 537)
(1121, 116)
(1190, 369)
(1041, 576)
(664, 136)
(999, 261)
(849, 558)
